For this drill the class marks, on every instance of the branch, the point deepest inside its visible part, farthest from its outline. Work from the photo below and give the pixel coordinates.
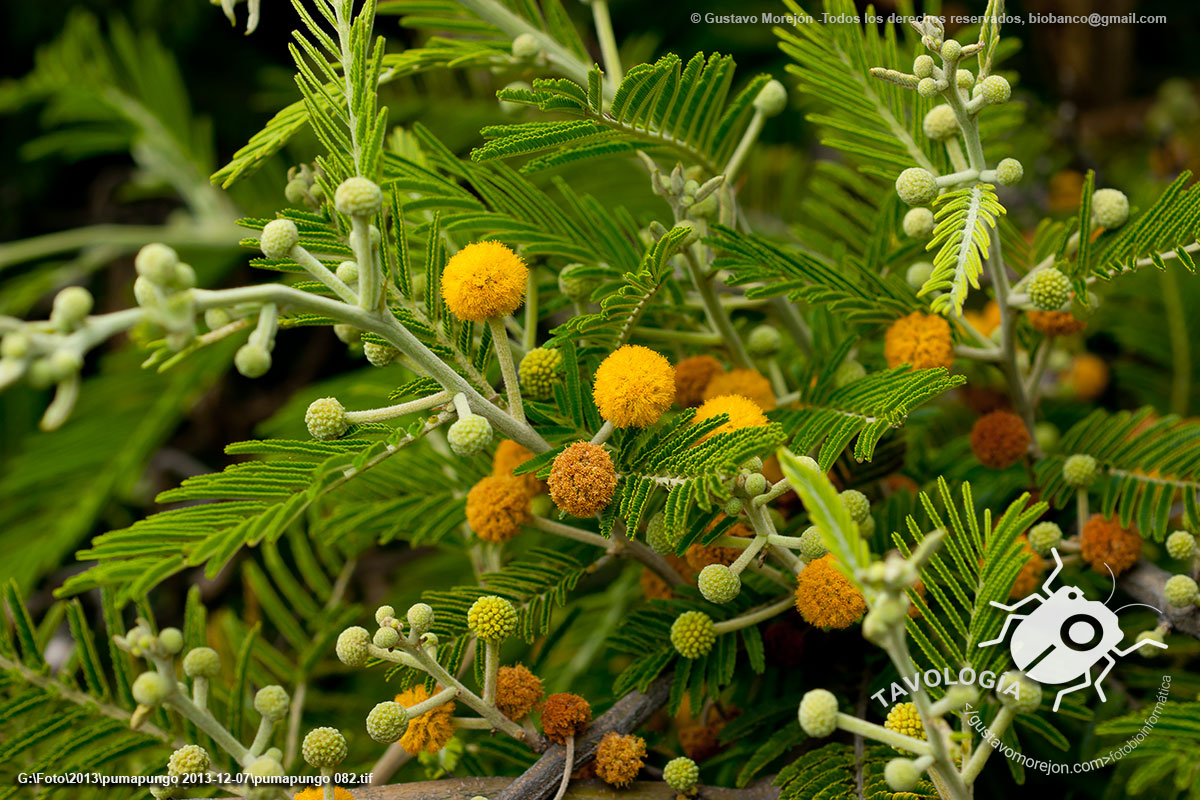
(1145, 584)
(540, 781)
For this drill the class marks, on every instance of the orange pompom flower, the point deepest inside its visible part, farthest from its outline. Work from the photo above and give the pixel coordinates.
(1106, 542)
(825, 597)
(743, 413)
(692, 376)
(922, 340)
(633, 387)
(619, 758)
(510, 455)
(1087, 377)
(746, 382)
(565, 715)
(518, 691)
(987, 320)
(318, 793)
(1055, 323)
(426, 732)
(583, 479)
(999, 439)
(497, 507)
(484, 280)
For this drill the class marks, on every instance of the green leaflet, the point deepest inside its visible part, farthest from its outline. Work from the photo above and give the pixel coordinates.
(966, 219)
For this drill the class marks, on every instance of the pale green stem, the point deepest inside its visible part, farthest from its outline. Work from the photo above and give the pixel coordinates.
(125, 237)
(569, 532)
(1181, 354)
(778, 489)
(608, 42)
(504, 19)
(370, 281)
(869, 730)
(791, 542)
(529, 340)
(491, 665)
(268, 324)
(1081, 508)
(261, 737)
(795, 324)
(200, 693)
(747, 555)
(398, 410)
(717, 317)
(430, 703)
(954, 150)
(749, 137)
(787, 558)
(602, 435)
(776, 375)
(974, 766)
(205, 721)
(327, 792)
(471, 723)
(295, 716)
(685, 337)
(568, 765)
(507, 368)
(754, 617)
(322, 273)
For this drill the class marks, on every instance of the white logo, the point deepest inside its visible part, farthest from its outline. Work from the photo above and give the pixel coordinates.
(1065, 636)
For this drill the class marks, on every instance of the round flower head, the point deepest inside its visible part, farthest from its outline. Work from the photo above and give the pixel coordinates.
(358, 196)
(1030, 576)
(923, 66)
(380, 355)
(71, 305)
(156, 262)
(387, 722)
(764, 340)
(692, 376)
(272, 702)
(188, 760)
(771, 99)
(540, 369)
(565, 715)
(492, 618)
(266, 767)
(151, 688)
(812, 544)
(856, 504)
(347, 272)
(964, 78)
(497, 507)
(278, 238)
(995, 89)
(902, 775)
(1079, 470)
(904, 719)
(1110, 207)
(1087, 377)
(847, 373)
(916, 186)
(940, 123)
(420, 618)
(999, 439)
(326, 419)
(351, 646)
(1154, 636)
(508, 456)
(1019, 692)
(619, 758)
(469, 435)
(428, 732)
(657, 535)
(1181, 591)
(818, 713)
(682, 775)
(202, 662)
(917, 274)
(743, 413)
(1045, 536)
(484, 280)
(719, 584)
(386, 638)
(1104, 541)
(633, 386)
(951, 50)
(1049, 289)
(318, 793)
(518, 691)
(575, 282)
(252, 360)
(384, 613)
(921, 340)
(582, 479)
(692, 634)
(1181, 545)
(171, 640)
(928, 87)
(1055, 323)
(1009, 172)
(745, 382)
(825, 597)
(918, 224)
(323, 748)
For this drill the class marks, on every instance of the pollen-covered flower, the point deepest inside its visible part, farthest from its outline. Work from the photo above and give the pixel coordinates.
(582, 479)
(1106, 542)
(633, 386)
(922, 340)
(999, 439)
(745, 382)
(1087, 377)
(518, 691)
(430, 731)
(692, 376)
(497, 507)
(825, 597)
(318, 793)
(743, 413)
(565, 715)
(510, 455)
(1055, 323)
(904, 719)
(619, 758)
(484, 280)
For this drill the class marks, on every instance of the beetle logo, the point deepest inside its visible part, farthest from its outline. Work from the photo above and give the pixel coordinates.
(1065, 636)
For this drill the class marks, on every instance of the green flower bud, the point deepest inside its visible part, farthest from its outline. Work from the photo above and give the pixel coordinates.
(358, 197)
(576, 285)
(756, 484)
(151, 688)
(1154, 636)
(812, 544)
(692, 634)
(940, 123)
(916, 186)
(71, 306)
(526, 46)
(156, 262)
(202, 662)
(771, 99)
(951, 50)
(818, 713)
(656, 534)
(420, 618)
(326, 419)
(387, 722)
(1181, 545)
(923, 66)
(764, 341)
(1180, 591)
(347, 272)
(902, 775)
(995, 90)
(14, 344)
(296, 192)
(380, 355)
(272, 702)
(171, 640)
(469, 435)
(386, 638)
(278, 238)
(1049, 289)
(918, 274)
(384, 613)
(927, 87)
(188, 760)
(1110, 208)
(1044, 537)
(215, 318)
(1080, 471)
(323, 748)
(848, 373)
(492, 618)
(857, 504)
(734, 506)
(1009, 172)
(918, 224)
(718, 583)
(682, 775)
(540, 370)
(252, 360)
(351, 647)
(1017, 691)
(964, 78)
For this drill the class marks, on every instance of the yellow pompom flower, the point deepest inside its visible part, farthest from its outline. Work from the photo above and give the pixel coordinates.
(497, 507)
(484, 280)
(743, 413)
(904, 719)
(922, 340)
(426, 732)
(318, 793)
(633, 387)
(825, 597)
(746, 382)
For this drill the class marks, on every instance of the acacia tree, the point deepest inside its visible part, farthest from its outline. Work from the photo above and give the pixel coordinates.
(579, 400)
